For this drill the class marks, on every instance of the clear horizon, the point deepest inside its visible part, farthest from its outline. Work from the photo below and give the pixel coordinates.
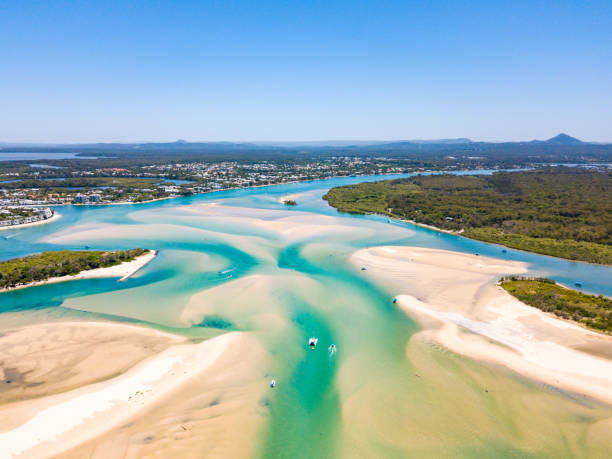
(237, 72)
(180, 139)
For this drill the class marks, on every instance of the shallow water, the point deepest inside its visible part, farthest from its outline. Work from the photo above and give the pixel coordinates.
(241, 260)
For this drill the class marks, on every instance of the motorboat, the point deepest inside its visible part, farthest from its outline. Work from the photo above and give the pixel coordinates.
(312, 342)
(273, 383)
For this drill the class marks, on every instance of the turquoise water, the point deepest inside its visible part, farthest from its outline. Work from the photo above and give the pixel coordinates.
(226, 263)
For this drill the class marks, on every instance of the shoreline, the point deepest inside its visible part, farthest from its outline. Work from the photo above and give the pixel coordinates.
(292, 182)
(123, 270)
(118, 203)
(54, 217)
(456, 301)
(460, 234)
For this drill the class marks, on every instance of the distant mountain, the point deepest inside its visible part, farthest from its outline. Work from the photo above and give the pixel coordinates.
(357, 143)
(442, 141)
(564, 139)
(458, 146)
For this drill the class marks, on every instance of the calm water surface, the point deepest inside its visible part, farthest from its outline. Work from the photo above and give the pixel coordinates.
(25, 156)
(363, 401)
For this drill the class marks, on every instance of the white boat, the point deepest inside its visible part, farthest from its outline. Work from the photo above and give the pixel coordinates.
(312, 342)
(273, 383)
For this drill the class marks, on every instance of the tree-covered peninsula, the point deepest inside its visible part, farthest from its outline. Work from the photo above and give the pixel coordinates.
(42, 266)
(563, 212)
(590, 310)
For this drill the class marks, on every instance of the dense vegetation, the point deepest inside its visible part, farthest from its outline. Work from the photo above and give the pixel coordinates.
(83, 182)
(290, 202)
(590, 310)
(564, 212)
(45, 265)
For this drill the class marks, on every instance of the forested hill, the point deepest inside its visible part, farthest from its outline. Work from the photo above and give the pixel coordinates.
(564, 212)
(42, 266)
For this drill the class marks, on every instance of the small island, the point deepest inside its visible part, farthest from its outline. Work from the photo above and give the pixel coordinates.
(560, 211)
(63, 265)
(593, 311)
(289, 202)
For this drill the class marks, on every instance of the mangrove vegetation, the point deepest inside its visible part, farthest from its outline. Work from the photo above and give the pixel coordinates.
(45, 265)
(590, 310)
(563, 212)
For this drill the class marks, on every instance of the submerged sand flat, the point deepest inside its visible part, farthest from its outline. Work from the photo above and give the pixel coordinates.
(48, 425)
(451, 293)
(290, 225)
(248, 229)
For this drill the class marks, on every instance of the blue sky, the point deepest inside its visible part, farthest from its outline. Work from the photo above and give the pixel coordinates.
(304, 70)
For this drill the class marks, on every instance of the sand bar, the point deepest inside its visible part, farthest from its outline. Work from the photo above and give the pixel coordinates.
(218, 413)
(50, 425)
(49, 358)
(455, 298)
(123, 270)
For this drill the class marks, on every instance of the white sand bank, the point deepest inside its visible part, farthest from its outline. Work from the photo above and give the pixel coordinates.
(217, 413)
(55, 423)
(123, 270)
(48, 358)
(450, 292)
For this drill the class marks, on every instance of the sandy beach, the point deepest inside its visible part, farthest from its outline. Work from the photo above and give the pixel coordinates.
(124, 270)
(217, 411)
(49, 425)
(455, 298)
(48, 358)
